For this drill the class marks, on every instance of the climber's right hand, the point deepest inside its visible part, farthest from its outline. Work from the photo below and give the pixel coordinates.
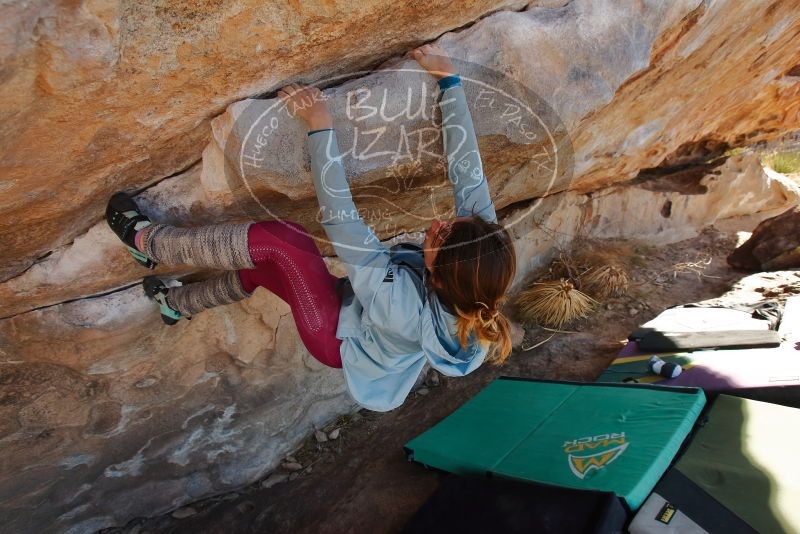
(307, 103)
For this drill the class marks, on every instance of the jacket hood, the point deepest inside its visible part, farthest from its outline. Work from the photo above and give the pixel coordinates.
(439, 341)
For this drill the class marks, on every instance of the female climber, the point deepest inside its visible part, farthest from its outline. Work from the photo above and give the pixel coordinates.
(399, 306)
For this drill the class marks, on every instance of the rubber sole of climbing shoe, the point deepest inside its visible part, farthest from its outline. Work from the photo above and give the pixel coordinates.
(155, 289)
(125, 219)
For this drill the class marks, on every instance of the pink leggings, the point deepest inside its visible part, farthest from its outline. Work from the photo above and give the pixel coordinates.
(288, 263)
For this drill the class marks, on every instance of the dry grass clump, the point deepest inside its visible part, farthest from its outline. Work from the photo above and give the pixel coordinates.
(589, 254)
(605, 281)
(602, 268)
(573, 283)
(553, 303)
(783, 162)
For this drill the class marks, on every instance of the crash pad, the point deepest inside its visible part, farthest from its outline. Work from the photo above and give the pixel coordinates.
(701, 319)
(503, 506)
(606, 437)
(771, 374)
(739, 474)
(713, 370)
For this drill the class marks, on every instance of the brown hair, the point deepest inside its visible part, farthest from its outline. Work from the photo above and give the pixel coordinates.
(472, 272)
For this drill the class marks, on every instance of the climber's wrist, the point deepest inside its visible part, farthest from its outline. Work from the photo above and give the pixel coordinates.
(448, 81)
(320, 122)
(444, 72)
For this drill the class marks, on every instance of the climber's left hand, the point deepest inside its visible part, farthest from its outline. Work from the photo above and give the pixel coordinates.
(434, 59)
(307, 103)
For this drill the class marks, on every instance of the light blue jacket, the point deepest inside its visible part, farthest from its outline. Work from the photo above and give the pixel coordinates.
(388, 331)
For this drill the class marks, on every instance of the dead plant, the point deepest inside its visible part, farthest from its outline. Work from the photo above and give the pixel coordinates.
(605, 281)
(553, 303)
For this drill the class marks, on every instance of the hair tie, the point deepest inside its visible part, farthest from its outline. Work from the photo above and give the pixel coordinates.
(493, 313)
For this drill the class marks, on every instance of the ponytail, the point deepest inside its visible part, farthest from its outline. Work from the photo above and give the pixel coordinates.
(490, 327)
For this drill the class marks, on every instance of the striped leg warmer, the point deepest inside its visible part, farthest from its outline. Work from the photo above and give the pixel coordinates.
(219, 246)
(194, 298)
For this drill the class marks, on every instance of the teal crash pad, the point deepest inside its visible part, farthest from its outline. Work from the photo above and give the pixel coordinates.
(608, 437)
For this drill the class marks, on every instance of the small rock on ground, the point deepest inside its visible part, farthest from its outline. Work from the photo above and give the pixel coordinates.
(292, 466)
(246, 506)
(182, 513)
(274, 479)
(320, 436)
(334, 434)
(432, 380)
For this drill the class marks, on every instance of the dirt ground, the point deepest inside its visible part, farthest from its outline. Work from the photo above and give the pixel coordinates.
(362, 482)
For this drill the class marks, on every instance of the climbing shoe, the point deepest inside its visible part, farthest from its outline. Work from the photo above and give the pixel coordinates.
(155, 289)
(125, 219)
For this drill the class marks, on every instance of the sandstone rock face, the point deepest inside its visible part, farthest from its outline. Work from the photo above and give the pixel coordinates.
(655, 49)
(126, 417)
(774, 245)
(732, 196)
(100, 96)
(145, 80)
(106, 414)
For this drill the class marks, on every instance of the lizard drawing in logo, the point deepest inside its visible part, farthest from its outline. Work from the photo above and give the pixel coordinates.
(592, 453)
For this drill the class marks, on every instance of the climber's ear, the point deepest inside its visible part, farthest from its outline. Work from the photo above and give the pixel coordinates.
(433, 279)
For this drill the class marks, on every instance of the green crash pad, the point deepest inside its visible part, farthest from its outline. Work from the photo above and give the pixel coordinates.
(608, 437)
(768, 374)
(745, 458)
